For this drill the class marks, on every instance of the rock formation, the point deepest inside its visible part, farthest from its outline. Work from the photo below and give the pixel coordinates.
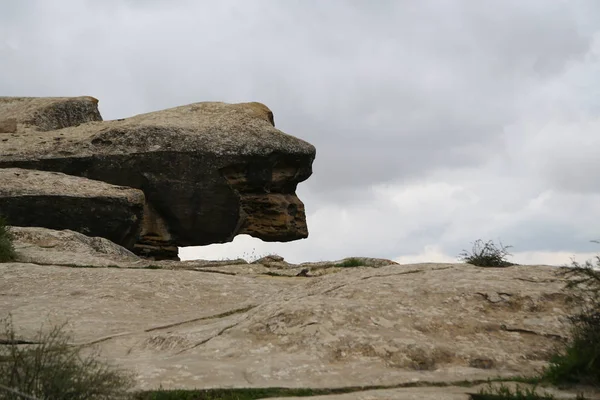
(209, 171)
(58, 201)
(236, 324)
(46, 113)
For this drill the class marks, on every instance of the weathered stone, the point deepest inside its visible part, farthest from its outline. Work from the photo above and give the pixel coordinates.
(387, 325)
(209, 171)
(51, 247)
(58, 201)
(8, 125)
(48, 113)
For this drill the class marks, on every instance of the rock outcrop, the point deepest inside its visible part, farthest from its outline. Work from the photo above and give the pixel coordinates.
(203, 324)
(42, 246)
(209, 171)
(46, 113)
(58, 201)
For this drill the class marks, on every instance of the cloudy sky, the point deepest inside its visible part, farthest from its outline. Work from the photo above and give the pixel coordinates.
(436, 122)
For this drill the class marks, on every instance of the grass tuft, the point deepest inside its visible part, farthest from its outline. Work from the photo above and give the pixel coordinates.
(486, 254)
(49, 367)
(579, 362)
(503, 392)
(351, 262)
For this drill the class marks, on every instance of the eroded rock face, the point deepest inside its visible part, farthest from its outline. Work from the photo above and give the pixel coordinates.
(58, 201)
(209, 171)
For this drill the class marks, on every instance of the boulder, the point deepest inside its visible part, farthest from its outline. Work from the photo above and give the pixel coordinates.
(58, 201)
(43, 114)
(209, 171)
(44, 246)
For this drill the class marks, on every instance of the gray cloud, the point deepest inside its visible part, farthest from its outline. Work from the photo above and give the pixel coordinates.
(452, 96)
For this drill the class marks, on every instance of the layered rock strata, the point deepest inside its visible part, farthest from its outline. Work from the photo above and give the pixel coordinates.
(209, 171)
(58, 201)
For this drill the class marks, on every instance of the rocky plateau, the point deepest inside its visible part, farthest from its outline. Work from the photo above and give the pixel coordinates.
(99, 208)
(231, 323)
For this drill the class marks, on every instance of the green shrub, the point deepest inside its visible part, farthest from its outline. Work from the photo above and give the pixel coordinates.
(486, 255)
(580, 360)
(351, 262)
(7, 251)
(504, 393)
(49, 367)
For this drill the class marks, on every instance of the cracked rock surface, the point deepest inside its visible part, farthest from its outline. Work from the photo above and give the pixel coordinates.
(198, 324)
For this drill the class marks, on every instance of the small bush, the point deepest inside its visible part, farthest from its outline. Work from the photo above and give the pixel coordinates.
(486, 255)
(48, 367)
(7, 251)
(580, 361)
(504, 393)
(350, 262)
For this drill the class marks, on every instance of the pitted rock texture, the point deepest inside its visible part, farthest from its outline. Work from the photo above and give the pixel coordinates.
(209, 171)
(57, 201)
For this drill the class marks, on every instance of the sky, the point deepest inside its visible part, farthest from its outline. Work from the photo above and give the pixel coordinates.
(436, 122)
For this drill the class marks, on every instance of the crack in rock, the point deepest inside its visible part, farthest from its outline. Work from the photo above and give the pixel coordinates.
(221, 315)
(16, 341)
(200, 343)
(530, 332)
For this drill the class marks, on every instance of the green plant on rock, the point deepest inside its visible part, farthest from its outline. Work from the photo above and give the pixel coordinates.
(503, 392)
(579, 362)
(49, 367)
(7, 251)
(351, 262)
(486, 254)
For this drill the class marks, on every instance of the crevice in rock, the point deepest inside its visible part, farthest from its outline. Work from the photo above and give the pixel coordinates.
(537, 281)
(200, 343)
(413, 271)
(529, 332)
(16, 342)
(104, 339)
(221, 315)
(213, 271)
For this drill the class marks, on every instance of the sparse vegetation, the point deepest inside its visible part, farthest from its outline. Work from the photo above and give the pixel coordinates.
(49, 367)
(579, 363)
(350, 262)
(503, 392)
(263, 393)
(230, 394)
(152, 266)
(486, 254)
(7, 251)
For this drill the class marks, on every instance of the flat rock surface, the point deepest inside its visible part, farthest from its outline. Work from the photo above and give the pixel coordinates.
(229, 323)
(360, 326)
(18, 182)
(44, 246)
